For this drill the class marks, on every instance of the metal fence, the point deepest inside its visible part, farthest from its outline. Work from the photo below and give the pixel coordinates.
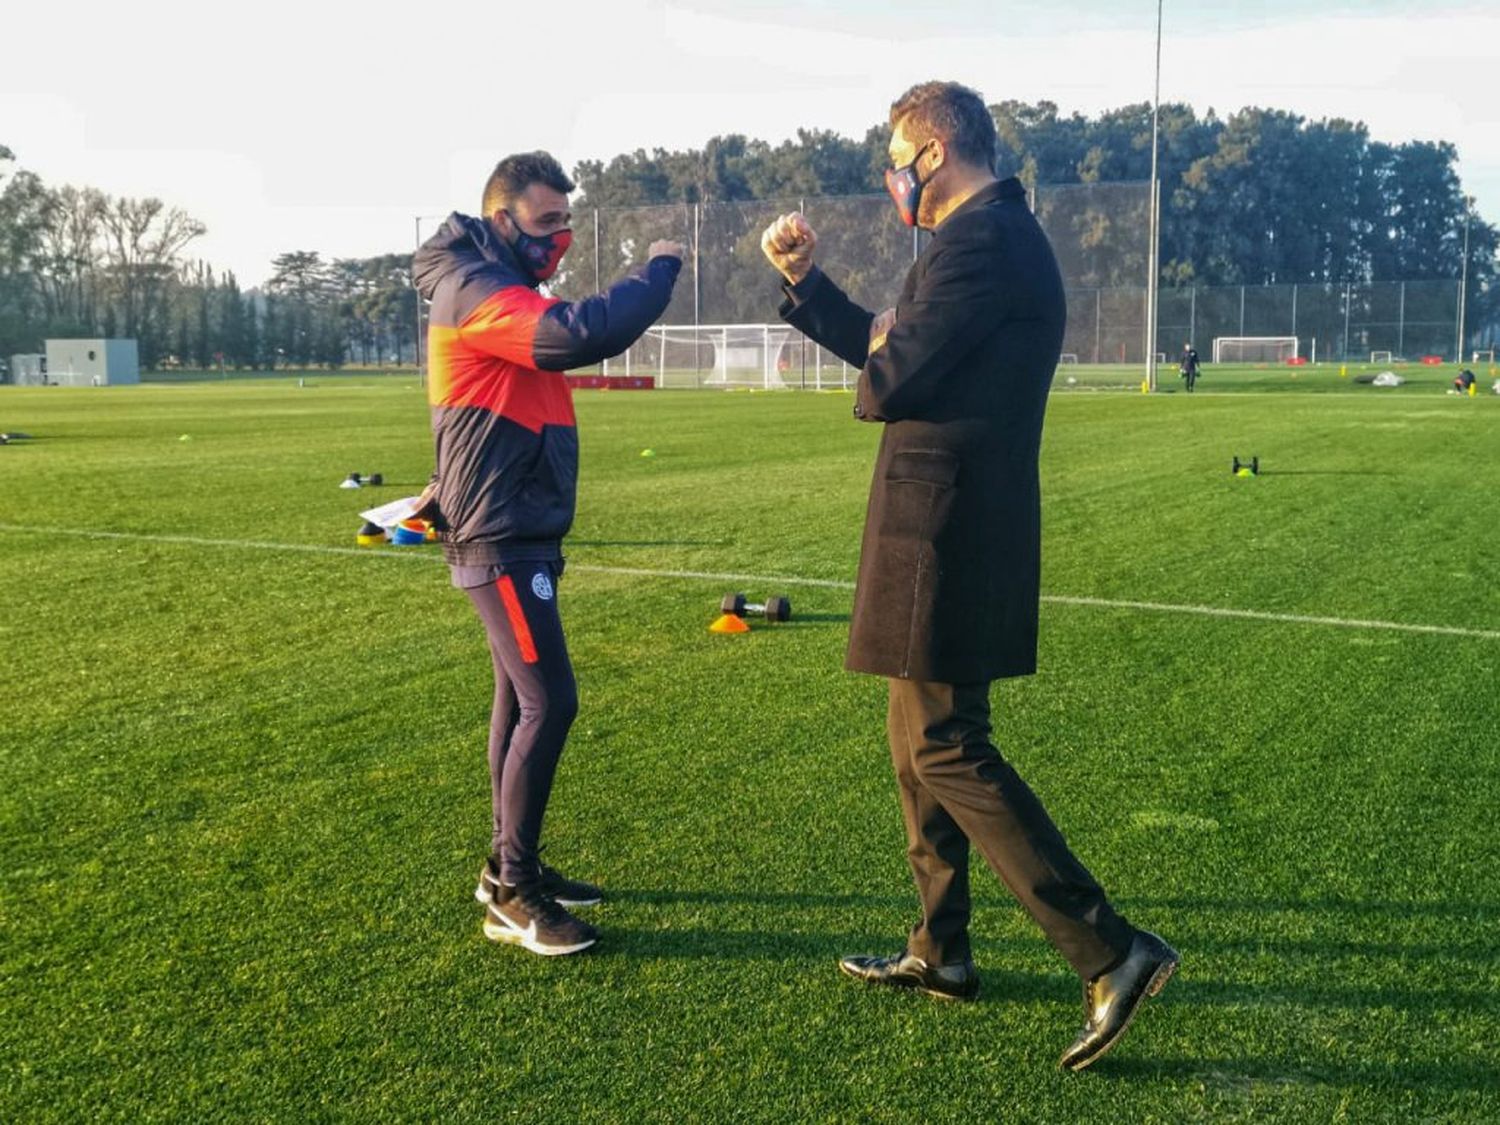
(1099, 233)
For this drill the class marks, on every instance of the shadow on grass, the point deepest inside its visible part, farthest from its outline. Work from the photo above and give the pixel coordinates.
(647, 542)
(1327, 473)
(1372, 990)
(1239, 1073)
(1355, 907)
(785, 899)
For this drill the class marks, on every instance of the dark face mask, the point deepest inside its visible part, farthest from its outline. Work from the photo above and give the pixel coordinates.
(906, 187)
(540, 255)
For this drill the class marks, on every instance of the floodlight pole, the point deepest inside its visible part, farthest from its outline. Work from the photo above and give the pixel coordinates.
(1463, 283)
(1154, 220)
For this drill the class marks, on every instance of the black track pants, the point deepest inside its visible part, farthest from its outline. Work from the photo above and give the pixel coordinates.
(536, 699)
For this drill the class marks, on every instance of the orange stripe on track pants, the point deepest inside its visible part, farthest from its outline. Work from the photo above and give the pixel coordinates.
(517, 617)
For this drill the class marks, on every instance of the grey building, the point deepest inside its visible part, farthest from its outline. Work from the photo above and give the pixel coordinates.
(92, 363)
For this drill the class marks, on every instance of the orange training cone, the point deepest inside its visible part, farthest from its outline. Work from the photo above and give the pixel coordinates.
(729, 623)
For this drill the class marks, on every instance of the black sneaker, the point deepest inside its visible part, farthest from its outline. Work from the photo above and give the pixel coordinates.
(526, 917)
(567, 892)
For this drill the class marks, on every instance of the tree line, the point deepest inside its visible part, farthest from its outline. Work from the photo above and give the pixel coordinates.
(1260, 197)
(78, 262)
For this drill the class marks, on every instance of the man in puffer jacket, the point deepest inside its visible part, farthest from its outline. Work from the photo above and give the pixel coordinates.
(504, 493)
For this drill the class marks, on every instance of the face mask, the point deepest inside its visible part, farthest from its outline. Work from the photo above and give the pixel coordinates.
(541, 256)
(906, 187)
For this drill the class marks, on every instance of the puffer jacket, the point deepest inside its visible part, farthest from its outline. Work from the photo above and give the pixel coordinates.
(502, 414)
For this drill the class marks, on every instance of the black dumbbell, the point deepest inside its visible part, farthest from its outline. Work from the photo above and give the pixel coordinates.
(1253, 466)
(373, 479)
(775, 609)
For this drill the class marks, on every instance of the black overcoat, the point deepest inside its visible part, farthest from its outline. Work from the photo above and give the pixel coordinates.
(950, 564)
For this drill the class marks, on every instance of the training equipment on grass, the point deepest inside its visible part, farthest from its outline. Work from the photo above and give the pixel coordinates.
(6, 439)
(774, 609)
(1246, 469)
(729, 623)
(409, 533)
(357, 480)
(370, 535)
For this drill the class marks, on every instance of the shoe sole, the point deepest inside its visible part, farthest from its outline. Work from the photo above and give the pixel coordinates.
(482, 895)
(508, 935)
(1154, 986)
(907, 986)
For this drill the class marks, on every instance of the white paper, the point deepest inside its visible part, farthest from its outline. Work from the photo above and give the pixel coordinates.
(389, 515)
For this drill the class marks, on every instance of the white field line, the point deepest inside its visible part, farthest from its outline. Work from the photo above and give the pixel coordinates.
(766, 581)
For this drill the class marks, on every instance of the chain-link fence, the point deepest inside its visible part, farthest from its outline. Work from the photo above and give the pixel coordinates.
(1099, 233)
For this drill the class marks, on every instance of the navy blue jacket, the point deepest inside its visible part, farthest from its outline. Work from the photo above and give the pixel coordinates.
(502, 413)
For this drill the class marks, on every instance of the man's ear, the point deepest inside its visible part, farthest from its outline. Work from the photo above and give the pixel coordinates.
(503, 223)
(937, 155)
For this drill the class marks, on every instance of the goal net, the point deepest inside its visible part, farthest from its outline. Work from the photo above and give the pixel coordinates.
(1254, 349)
(1380, 357)
(719, 355)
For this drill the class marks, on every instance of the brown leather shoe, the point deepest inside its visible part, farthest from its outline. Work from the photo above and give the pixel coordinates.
(959, 981)
(1110, 1000)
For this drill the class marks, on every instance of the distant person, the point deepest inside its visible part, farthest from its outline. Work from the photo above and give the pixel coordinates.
(1188, 366)
(1463, 381)
(949, 573)
(504, 491)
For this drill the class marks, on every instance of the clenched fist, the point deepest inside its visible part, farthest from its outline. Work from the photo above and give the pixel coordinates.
(879, 326)
(789, 243)
(664, 248)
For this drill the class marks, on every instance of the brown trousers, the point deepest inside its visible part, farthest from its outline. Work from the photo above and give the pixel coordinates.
(955, 788)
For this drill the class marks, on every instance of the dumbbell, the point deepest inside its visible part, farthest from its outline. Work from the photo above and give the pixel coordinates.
(1253, 466)
(358, 479)
(774, 609)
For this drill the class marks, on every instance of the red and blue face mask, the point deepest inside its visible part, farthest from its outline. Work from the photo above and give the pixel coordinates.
(541, 255)
(906, 187)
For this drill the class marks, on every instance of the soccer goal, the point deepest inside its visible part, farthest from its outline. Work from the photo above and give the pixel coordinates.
(1254, 349)
(720, 355)
(1068, 359)
(1381, 357)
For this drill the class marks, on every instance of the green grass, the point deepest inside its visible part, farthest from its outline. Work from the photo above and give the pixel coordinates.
(243, 795)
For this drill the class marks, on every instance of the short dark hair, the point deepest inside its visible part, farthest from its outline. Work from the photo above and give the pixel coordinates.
(955, 114)
(519, 171)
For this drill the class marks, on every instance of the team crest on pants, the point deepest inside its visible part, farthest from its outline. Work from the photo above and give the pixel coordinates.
(541, 586)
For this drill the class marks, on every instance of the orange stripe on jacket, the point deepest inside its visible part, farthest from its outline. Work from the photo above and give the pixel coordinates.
(475, 366)
(504, 323)
(517, 617)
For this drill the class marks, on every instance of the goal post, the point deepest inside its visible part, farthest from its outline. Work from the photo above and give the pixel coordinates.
(1381, 357)
(1255, 349)
(755, 356)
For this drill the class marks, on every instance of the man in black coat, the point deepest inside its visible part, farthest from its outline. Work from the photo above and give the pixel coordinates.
(1188, 367)
(948, 587)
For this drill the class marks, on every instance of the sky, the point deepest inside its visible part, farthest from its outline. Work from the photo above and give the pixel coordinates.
(331, 127)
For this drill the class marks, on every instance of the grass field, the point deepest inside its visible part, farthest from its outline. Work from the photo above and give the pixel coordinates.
(243, 795)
